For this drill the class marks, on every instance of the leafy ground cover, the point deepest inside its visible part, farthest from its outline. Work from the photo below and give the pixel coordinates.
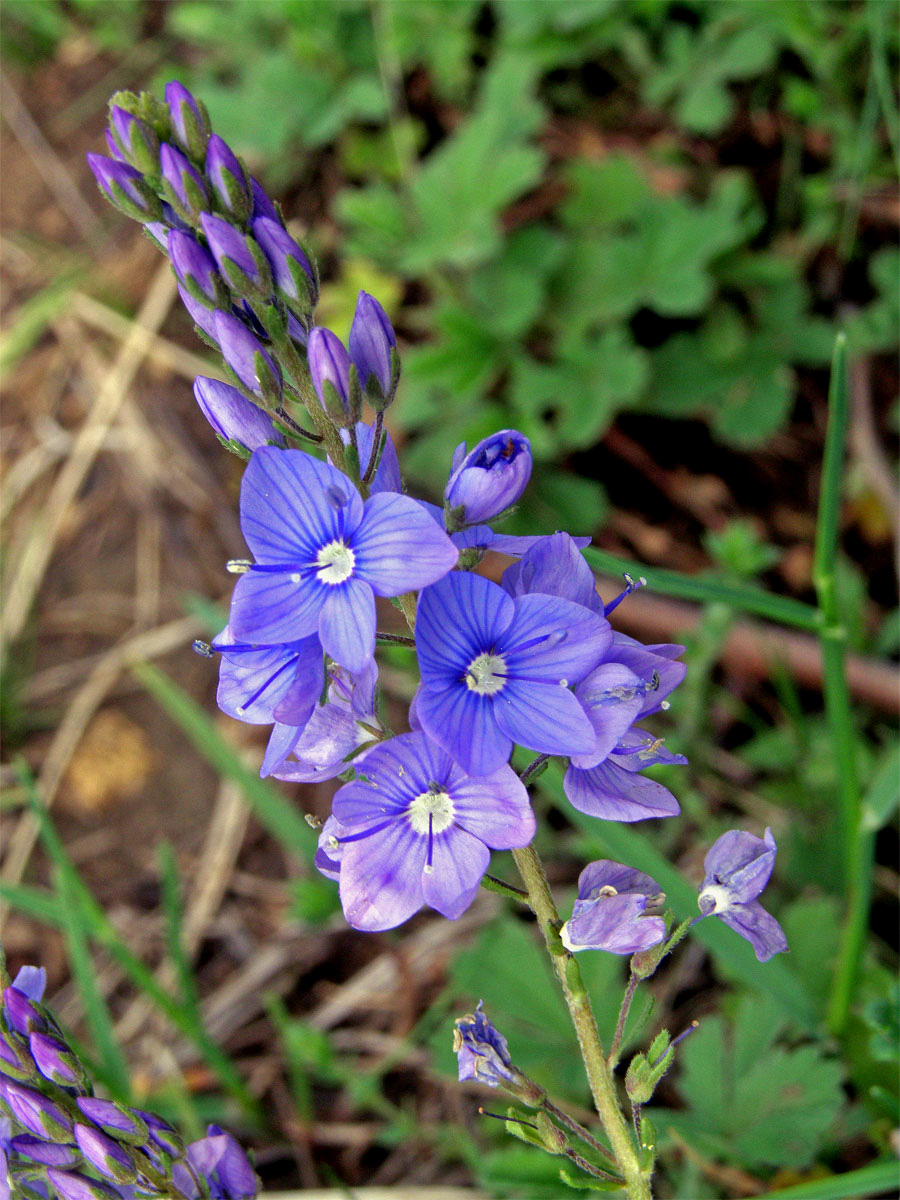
(631, 230)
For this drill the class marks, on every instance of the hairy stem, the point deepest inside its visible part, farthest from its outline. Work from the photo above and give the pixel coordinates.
(624, 1010)
(599, 1073)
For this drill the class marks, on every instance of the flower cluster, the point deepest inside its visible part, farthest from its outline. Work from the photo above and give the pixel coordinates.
(530, 661)
(58, 1139)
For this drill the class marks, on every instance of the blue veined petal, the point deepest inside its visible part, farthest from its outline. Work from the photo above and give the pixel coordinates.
(381, 878)
(347, 624)
(272, 607)
(398, 547)
(553, 566)
(465, 725)
(292, 504)
(543, 717)
(553, 639)
(611, 793)
(760, 929)
(271, 683)
(612, 697)
(495, 808)
(458, 863)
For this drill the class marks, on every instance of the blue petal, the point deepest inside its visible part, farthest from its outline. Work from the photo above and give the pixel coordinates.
(347, 624)
(464, 724)
(268, 609)
(553, 566)
(612, 697)
(399, 548)
(459, 861)
(495, 808)
(605, 873)
(760, 929)
(292, 504)
(613, 794)
(544, 717)
(554, 639)
(381, 878)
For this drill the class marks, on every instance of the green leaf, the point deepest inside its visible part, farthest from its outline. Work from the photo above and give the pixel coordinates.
(749, 1101)
(883, 794)
(872, 1180)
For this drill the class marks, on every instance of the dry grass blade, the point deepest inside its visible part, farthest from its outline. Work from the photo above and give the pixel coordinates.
(27, 573)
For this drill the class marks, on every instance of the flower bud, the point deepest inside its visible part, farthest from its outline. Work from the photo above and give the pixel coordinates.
(233, 417)
(72, 1185)
(373, 349)
(219, 1158)
(123, 1124)
(56, 1062)
(21, 1012)
(125, 187)
(294, 275)
(262, 205)
(37, 1113)
(15, 1061)
(196, 270)
(246, 357)
(190, 121)
(162, 1134)
(48, 1154)
(331, 370)
(137, 142)
(104, 1155)
(490, 478)
(113, 146)
(228, 179)
(204, 318)
(182, 184)
(240, 261)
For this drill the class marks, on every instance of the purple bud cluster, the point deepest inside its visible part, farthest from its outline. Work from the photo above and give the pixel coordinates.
(59, 1140)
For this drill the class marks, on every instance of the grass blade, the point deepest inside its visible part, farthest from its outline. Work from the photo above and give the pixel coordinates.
(782, 609)
(875, 1180)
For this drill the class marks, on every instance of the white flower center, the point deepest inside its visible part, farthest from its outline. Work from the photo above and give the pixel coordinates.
(486, 674)
(430, 811)
(335, 563)
(721, 901)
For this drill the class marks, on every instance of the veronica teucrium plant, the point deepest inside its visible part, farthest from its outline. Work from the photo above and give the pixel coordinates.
(531, 661)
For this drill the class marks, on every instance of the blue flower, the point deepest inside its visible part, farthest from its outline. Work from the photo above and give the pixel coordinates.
(482, 1051)
(262, 684)
(233, 416)
(609, 912)
(490, 478)
(496, 671)
(737, 869)
(322, 555)
(373, 345)
(415, 829)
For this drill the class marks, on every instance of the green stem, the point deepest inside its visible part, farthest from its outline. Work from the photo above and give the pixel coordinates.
(600, 1076)
(579, 1130)
(491, 884)
(624, 1010)
(857, 844)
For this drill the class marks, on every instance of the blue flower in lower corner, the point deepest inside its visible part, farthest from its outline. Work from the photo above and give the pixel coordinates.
(737, 869)
(496, 671)
(323, 554)
(415, 830)
(482, 1051)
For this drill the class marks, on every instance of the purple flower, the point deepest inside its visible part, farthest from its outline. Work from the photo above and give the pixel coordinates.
(373, 346)
(204, 318)
(329, 366)
(292, 272)
(233, 417)
(322, 555)
(262, 205)
(137, 142)
(243, 269)
(262, 684)
(614, 790)
(183, 185)
(245, 355)
(193, 265)
(482, 1051)
(387, 474)
(22, 1013)
(737, 869)
(190, 124)
(497, 671)
(609, 912)
(340, 727)
(125, 187)
(55, 1060)
(48, 1154)
(120, 1123)
(490, 478)
(219, 1160)
(554, 566)
(104, 1154)
(227, 177)
(417, 830)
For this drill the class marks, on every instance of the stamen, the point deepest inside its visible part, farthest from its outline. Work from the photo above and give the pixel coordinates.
(238, 566)
(242, 708)
(632, 585)
(358, 837)
(429, 868)
(204, 649)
